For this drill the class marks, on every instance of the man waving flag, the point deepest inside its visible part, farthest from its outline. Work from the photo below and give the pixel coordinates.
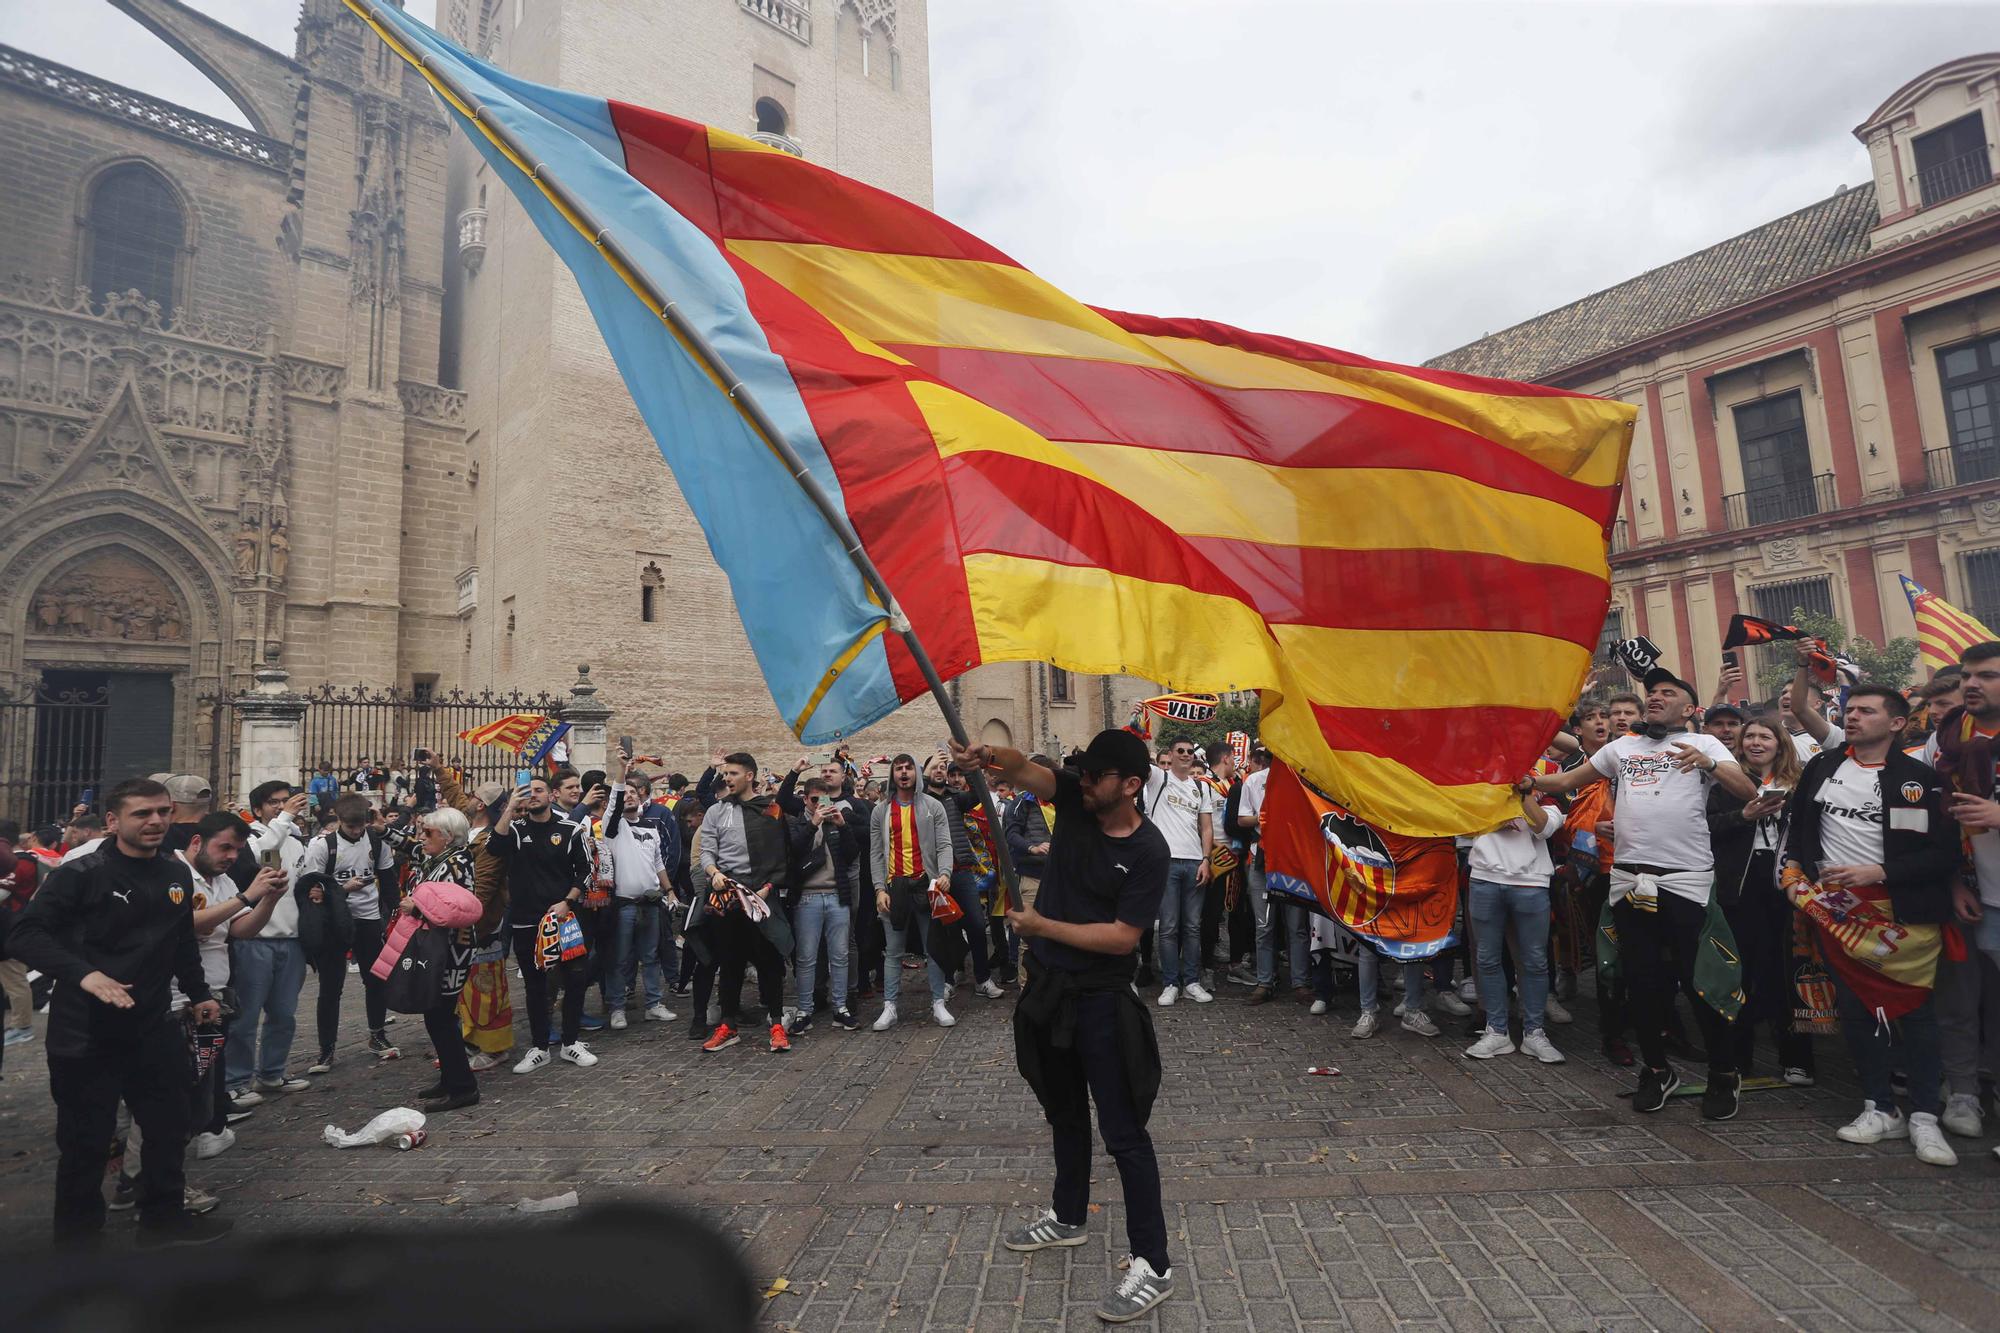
(1407, 565)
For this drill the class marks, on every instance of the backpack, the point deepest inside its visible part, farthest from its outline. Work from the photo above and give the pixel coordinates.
(387, 890)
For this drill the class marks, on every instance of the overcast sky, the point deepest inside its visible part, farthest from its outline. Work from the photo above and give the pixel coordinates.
(1394, 179)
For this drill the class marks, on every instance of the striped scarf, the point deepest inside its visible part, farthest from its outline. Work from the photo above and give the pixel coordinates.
(906, 853)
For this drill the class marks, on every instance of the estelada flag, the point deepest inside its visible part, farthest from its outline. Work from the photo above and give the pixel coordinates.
(533, 736)
(1399, 894)
(1943, 631)
(1042, 480)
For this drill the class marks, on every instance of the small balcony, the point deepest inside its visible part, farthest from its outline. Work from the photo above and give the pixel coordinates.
(1948, 467)
(790, 17)
(468, 590)
(472, 239)
(1954, 176)
(1779, 504)
(784, 143)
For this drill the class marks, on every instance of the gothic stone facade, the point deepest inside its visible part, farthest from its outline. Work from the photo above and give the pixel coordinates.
(1819, 398)
(220, 425)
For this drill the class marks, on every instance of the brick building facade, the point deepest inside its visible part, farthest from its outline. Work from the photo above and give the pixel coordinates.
(1819, 397)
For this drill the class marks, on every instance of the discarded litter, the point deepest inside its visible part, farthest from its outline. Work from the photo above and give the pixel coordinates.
(555, 1205)
(384, 1127)
(1327, 1070)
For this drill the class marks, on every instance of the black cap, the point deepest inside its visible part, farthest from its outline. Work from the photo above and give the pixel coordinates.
(1659, 675)
(1723, 710)
(1117, 751)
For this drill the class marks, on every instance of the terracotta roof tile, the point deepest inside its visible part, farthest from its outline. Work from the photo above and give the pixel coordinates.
(1795, 247)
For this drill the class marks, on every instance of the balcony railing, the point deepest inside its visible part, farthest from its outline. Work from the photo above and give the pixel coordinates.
(784, 143)
(1951, 466)
(1954, 176)
(1779, 504)
(1621, 536)
(790, 17)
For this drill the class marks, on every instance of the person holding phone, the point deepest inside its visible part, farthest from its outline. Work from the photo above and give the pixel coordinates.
(1745, 837)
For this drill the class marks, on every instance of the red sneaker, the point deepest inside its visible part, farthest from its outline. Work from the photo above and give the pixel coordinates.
(780, 1043)
(723, 1037)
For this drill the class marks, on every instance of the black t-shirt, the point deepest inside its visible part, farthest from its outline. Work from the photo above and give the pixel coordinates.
(1092, 878)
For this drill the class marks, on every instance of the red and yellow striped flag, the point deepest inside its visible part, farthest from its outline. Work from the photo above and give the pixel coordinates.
(1943, 631)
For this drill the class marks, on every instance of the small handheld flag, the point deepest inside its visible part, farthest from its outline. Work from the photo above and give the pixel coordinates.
(533, 736)
(1943, 631)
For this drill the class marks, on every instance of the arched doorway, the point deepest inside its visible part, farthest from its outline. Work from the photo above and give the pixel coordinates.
(996, 732)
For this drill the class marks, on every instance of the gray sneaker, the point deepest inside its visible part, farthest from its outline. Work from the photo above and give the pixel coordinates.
(1043, 1233)
(1137, 1292)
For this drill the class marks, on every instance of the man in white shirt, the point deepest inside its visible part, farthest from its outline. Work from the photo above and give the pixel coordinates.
(1803, 706)
(1509, 898)
(1184, 808)
(269, 966)
(640, 882)
(1663, 875)
(364, 864)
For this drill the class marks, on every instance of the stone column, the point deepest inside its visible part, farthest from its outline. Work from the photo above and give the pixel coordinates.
(270, 731)
(588, 717)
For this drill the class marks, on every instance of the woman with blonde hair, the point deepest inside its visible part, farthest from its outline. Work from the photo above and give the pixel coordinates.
(435, 847)
(1745, 839)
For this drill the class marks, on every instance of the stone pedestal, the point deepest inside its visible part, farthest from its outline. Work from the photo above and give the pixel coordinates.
(589, 719)
(270, 731)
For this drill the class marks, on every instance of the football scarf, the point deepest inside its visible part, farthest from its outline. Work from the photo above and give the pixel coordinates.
(1889, 965)
(1826, 668)
(906, 853)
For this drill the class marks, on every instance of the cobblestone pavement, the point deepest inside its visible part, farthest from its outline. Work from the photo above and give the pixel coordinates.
(1417, 1190)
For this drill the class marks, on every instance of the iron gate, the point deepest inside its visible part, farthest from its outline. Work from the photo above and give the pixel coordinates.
(51, 752)
(345, 727)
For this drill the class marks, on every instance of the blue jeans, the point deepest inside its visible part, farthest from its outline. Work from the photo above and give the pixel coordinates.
(1912, 1041)
(1368, 969)
(973, 923)
(1179, 925)
(822, 915)
(1494, 909)
(892, 959)
(637, 932)
(1264, 913)
(266, 975)
(1297, 925)
(668, 952)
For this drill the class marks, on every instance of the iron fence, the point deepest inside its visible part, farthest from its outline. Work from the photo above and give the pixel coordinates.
(348, 728)
(51, 752)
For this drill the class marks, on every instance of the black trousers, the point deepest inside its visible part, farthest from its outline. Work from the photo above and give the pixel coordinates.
(1658, 950)
(333, 979)
(1761, 920)
(1091, 1071)
(448, 1040)
(150, 1075)
(740, 944)
(1613, 1000)
(574, 974)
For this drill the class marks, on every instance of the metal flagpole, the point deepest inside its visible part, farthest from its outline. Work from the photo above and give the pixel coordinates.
(746, 402)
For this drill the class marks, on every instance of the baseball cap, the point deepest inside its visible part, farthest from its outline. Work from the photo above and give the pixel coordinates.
(1117, 750)
(489, 792)
(1659, 675)
(188, 789)
(1723, 710)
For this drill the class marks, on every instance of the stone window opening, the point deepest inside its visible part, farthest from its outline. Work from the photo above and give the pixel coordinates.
(771, 117)
(1952, 160)
(136, 235)
(651, 580)
(1060, 688)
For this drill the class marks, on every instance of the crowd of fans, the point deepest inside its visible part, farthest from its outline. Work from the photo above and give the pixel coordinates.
(625, 896)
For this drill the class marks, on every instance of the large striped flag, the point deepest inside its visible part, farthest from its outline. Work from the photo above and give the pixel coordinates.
(1409, 565)
(533, 736)
(1943, 631)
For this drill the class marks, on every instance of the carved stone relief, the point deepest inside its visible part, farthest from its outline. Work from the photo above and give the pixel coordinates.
(1784, 553)
(108, 594)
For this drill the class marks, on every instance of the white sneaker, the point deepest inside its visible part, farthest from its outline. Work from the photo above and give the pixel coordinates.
(579, 1055)
(536, 1057)
(1490, 1044)
(1928, 1140)
(941, 1015)
(487, 1060)
(1538, 1045)
(887, 1019)
(1399, 1010)
(1963, 1117)
(1451, 1004)
(244, 1098)
(1468, 990)
(1419, 1022)
(1318, 1008)
(1198, 993)
(1874, 1126)
(659, 1013)
(214, 1145)
(1552, 1009)
(1364, 1026)
(1169, 995)
(990, 989)
(618, 1020)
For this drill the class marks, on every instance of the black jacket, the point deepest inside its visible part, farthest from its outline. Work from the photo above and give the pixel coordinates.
(1027, 826)
(809, 854)
(1921, 852)
(545, 861)
(1733, 839)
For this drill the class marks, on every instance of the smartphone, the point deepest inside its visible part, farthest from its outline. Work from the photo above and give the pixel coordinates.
(419, 755)
(1730, 661)
(628, 745)
(271, 858)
